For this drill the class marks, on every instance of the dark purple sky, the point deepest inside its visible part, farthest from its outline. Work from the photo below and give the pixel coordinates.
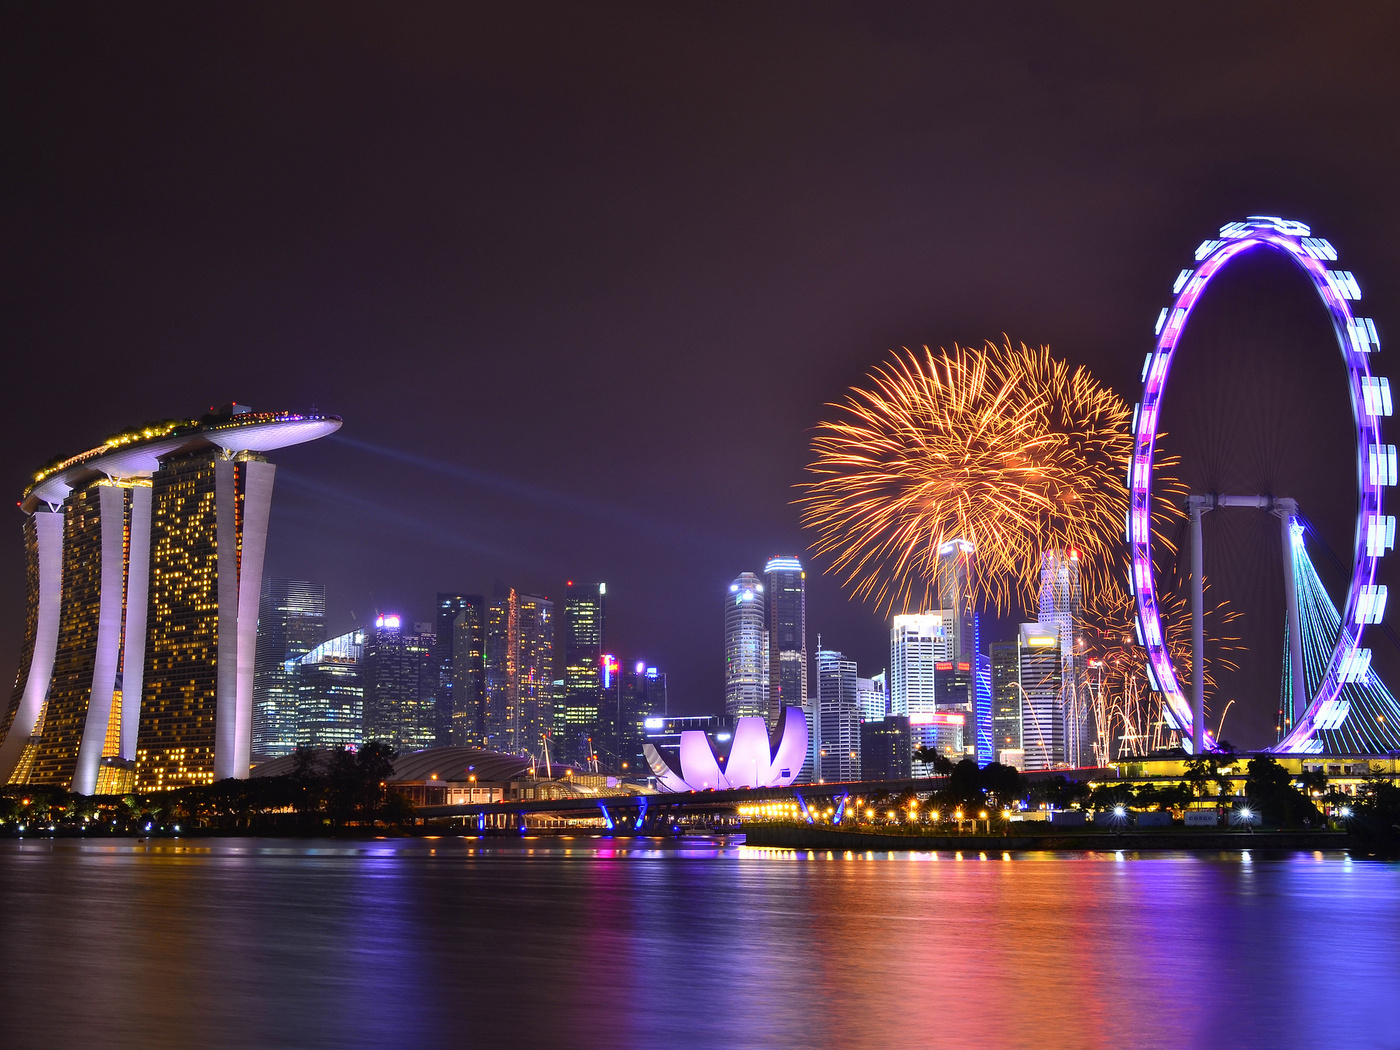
(580, 278)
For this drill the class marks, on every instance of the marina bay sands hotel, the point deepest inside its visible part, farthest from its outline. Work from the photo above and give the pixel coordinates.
(144, 559)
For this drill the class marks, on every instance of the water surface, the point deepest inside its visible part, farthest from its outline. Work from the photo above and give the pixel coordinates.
(615, 943)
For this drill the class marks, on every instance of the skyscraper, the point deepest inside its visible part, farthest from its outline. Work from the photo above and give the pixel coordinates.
(535, 673)
(745, 649)
(500, 723)
(519, 670)
(330, 689)
(981, 729)
(1061, 607)
(469, 673)
(578, 716)
(1006, 702)
(400, 683)
(449, 608)
(642, 696)
(885, 749)
(838, 754)
(955, 598)
(144, 567)
(1042, 710)
(291, 622)
(918, 643)
(872, 698)
(785, 605)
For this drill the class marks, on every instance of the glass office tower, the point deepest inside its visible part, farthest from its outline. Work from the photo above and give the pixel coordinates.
(745, 649)
(577, 718)
(450, 607)
(838, 718)
(330, 689)
(291, 622)
(785, 605)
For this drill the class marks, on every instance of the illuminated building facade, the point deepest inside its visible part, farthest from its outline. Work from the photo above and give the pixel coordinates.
(330, 690)
(838, 718)
(450, 608)
(872, 698)
(1061, 608)
(577, 718)
(519, 671)
(1006, 698)
(535, 673)
(785, 607)
(885, 749)
(942, 731)
(291, 622)
(400, 681)
(1042, 710)
(955, 598)
(918, 643)
(745, 649)
(642, 696)
(144, 559)
(500, 725)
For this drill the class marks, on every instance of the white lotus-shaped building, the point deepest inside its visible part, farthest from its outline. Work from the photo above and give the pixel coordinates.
(749, 757)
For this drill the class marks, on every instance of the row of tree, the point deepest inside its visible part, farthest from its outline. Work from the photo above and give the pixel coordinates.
(335, 789)
(1282, 798)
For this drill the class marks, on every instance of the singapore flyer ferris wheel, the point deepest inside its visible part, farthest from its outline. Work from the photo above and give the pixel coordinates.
(1324, 705)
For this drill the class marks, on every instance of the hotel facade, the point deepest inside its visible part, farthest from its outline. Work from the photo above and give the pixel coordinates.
(144, 561)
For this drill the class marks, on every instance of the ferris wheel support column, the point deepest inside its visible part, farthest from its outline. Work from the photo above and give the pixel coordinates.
(1286, 510)
(1198, 505)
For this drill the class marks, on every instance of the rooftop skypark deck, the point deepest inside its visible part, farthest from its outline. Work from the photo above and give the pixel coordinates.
(136, 452)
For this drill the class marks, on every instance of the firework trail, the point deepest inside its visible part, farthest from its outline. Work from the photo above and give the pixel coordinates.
(1127, 713)
(1003, 446)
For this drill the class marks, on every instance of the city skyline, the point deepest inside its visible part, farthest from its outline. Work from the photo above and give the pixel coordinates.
(540, 392)
(879, 519)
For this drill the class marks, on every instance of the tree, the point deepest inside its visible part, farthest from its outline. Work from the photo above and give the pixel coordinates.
(964, 786)
(942, 765)
(1109, 796)
(1059, 791)
(1270, 788)
(1375, 820)
(1003, 783)
(1199, 771)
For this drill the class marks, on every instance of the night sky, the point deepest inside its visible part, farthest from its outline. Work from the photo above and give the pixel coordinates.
(580, 278)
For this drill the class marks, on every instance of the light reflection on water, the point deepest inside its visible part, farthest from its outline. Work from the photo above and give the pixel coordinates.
(698, 943)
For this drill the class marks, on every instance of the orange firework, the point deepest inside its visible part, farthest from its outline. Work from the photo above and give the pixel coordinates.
(1005, 447)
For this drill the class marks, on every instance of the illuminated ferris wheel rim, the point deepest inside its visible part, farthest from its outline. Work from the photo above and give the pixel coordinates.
(1376, 463)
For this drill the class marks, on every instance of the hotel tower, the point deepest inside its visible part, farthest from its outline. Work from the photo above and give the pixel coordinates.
(144, 561)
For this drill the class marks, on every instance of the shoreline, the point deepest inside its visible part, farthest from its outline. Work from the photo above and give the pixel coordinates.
(782, 836)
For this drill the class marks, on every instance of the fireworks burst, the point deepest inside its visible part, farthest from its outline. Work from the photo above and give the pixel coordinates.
(1005, 447)
(1127, 713)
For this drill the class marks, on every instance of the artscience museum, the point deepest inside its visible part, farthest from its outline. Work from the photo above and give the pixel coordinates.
(748, 756)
